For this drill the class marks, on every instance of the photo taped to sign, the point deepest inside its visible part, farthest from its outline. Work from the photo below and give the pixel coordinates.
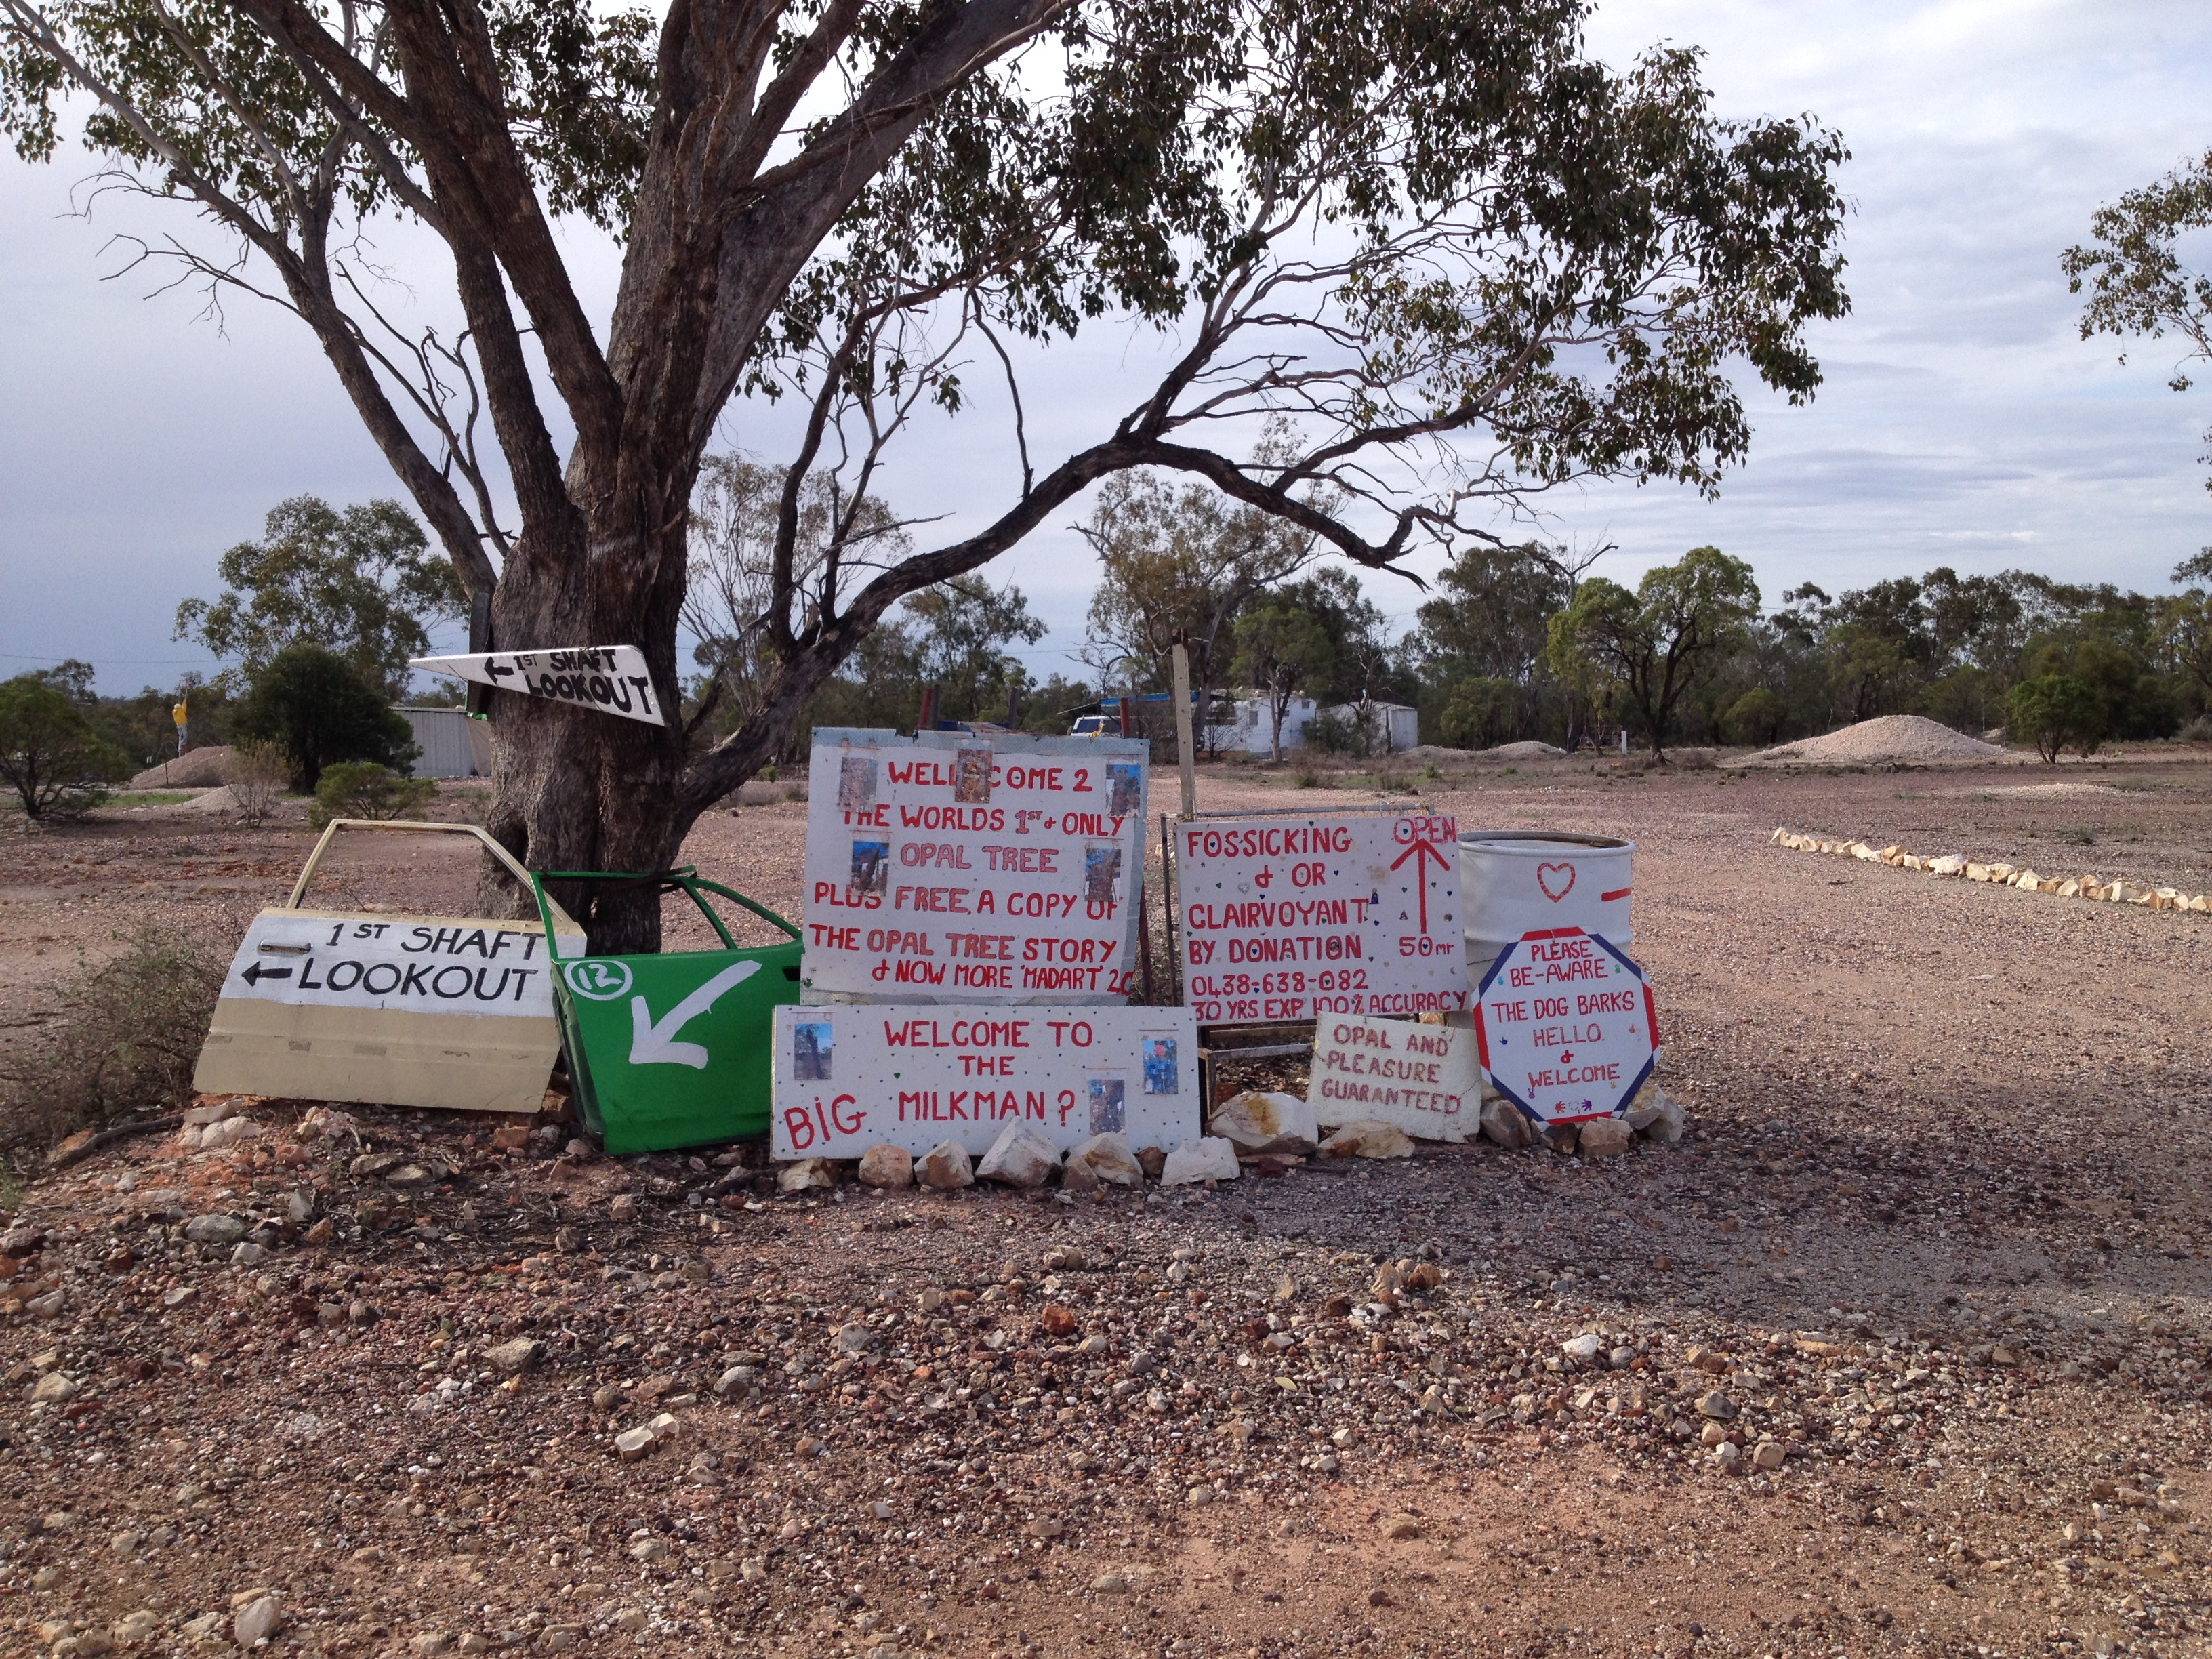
(1124, 787)
(971, 777)
(914, 1076)
(813, 1042)
(856, 784)
(871, 870)
(964, 871)
(1162, 1076)
(1291, 918)
(1109, 1105)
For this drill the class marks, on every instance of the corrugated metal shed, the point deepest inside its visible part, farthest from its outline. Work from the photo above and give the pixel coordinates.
(452, 745)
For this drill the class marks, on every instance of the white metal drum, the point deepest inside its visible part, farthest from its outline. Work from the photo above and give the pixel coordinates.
(1514, 882)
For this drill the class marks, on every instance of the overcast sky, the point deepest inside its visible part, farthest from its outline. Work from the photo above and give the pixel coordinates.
(1962, 423)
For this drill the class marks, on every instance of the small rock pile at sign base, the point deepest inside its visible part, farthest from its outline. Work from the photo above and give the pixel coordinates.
(2094, 888)
(1253, 1134)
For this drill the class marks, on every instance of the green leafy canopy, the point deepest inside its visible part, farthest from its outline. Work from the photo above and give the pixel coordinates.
(361, 580)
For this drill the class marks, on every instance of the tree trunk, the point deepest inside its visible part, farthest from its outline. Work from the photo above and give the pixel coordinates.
(574, 789)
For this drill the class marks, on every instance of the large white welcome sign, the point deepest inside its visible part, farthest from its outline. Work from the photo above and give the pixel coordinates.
(963, 869)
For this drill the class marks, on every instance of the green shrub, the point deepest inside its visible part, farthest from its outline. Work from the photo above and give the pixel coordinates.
(50, 754)
(1333, 734)
(123, 1042)
(1754, 719)
(1483, 714)
(313, 704)
(362, 789)
(256, 774)
(2055, 712)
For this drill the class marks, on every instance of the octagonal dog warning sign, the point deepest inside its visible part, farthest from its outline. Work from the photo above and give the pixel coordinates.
(1566, 1026)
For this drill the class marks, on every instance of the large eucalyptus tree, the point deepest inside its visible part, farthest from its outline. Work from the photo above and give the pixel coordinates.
(1455, 258)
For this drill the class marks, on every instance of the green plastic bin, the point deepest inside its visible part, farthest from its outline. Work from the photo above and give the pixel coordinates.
(672, 1049)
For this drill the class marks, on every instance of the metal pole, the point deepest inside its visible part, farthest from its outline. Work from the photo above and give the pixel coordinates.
(1185, 756)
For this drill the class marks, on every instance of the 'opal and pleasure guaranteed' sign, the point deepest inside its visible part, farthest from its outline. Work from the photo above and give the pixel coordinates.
(1422, 1077)
(1566, 1025)
(1288, 918)
(960, 873)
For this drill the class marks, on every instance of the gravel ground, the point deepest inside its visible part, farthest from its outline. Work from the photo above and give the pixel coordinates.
(1930, 1267)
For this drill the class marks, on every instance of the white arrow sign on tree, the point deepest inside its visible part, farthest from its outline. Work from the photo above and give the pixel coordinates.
(652, 1043)
(612, 678)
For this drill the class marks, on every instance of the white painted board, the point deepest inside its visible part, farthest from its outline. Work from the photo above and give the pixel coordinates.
(1294, 917)
(1425, 1078)
(849, 1076)
(966, 870)
(611, 679)
(1567, 1026)
(416, 964)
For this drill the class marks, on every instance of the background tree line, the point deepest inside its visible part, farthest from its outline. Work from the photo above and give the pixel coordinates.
(1517, 641)
(1521, 641)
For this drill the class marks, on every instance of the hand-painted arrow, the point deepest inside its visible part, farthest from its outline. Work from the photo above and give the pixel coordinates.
(612, 678)
(257, 973)
(1420, 852)
(652, 1043)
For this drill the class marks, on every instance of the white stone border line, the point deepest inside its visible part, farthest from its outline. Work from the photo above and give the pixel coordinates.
(1999, 875)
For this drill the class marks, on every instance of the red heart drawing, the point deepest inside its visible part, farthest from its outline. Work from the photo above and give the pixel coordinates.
(1547, 873)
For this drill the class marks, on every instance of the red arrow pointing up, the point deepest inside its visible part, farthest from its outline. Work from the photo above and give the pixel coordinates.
(1420, 851)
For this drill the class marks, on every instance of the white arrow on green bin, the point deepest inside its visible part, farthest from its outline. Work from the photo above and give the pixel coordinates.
(612, 678)
(654, 1042)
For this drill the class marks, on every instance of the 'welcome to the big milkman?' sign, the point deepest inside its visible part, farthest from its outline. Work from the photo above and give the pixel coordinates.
(849, 1076)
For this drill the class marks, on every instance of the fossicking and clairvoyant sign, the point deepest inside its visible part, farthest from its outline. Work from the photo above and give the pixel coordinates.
(1288, 918)
(612, 678)
(849, 1076)
(969, 872)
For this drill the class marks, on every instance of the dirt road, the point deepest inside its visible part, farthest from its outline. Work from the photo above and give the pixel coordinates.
(1937, 1241)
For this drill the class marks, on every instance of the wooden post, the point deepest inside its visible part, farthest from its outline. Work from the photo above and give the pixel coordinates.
(1144, 927)
(1185, 757)
(1169, 888)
